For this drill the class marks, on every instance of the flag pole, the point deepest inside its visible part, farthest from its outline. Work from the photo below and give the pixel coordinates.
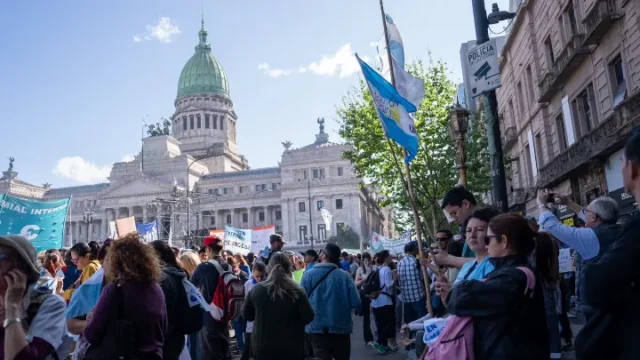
(410, 193)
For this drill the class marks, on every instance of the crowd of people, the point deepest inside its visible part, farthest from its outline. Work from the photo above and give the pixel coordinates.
(495, 291)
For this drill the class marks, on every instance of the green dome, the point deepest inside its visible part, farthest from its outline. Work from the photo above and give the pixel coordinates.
(202, 74)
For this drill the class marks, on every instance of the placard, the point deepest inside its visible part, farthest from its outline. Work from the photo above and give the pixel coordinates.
(564, 260)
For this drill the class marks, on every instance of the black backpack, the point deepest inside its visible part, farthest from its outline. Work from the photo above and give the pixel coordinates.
(189, 319)
(372, 288)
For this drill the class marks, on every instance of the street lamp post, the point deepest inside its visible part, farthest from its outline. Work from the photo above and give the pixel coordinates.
(187, 192)
(498, 180)
(310, 237)
(458, 126)
(87, 218)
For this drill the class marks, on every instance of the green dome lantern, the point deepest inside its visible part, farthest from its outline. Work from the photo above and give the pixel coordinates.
(202, 74)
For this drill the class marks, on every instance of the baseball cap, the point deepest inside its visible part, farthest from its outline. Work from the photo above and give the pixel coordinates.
(211, 240)
(26, 251)
(276, 237)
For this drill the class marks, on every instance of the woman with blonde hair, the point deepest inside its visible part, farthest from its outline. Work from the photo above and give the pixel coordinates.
(133, 270)
(279, 309)
(189, 260)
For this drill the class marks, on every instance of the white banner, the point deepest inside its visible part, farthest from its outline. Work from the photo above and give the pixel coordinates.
(327, 217)
(260, 237)
(237, 240)
(380, 243)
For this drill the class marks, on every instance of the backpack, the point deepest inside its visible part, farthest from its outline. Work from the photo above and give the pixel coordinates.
(228, 297)
(190, 317)
(372, 288)
(456, 340)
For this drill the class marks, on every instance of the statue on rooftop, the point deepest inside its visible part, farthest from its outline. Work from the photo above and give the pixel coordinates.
(321, 124)
(11, 160)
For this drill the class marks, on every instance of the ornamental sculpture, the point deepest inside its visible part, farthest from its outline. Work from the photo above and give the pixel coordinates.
(157, 130)
(321, 124)
(287, 145)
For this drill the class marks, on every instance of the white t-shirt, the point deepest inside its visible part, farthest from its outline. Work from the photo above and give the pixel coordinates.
(386, 282)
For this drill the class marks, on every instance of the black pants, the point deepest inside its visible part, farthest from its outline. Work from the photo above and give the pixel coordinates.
(366, 319)
(385, 318)
(246, 354)
(331, 346)
(214, 341)
(565, 295)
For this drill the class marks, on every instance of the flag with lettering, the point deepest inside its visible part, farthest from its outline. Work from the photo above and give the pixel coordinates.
(40, 222)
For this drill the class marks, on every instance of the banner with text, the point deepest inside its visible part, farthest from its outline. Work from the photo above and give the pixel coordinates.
(260, 237)
(237, 240)
(380, 243)
(40, 222)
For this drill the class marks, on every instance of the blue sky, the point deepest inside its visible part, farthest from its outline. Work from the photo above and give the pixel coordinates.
(76, 83)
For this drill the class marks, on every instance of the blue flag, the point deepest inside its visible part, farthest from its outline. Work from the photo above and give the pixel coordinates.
(148, 231)
(40, 222)
(393, 111)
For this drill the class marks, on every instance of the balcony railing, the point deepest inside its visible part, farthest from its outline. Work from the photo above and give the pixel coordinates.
(599, 21)
(517, 197)
(568, 60)
(612, 131)
(509, 138)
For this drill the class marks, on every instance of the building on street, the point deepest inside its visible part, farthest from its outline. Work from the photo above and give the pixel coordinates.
(193, 176)
(569, 98)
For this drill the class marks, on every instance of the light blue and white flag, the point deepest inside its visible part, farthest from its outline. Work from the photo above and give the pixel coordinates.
(148, 231)
(408, 86)
(86, 296)
(393, 111)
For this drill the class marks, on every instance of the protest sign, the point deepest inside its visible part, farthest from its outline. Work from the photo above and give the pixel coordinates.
(126, 226)
(237, 240)
(380, 243)
(260, 237)
(40, 222)
(564, 260)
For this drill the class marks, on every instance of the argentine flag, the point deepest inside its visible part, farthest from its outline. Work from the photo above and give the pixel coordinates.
(393, 111)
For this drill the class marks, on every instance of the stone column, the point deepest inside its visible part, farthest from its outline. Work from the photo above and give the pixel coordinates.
(104, 232)
(144, 214)
(117, 213)
(251, 216)
(130, 209)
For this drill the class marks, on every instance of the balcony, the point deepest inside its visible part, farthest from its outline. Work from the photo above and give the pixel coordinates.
(571, 56)
(598, 143)
(599, 21)
(517, 197)
(509, 138)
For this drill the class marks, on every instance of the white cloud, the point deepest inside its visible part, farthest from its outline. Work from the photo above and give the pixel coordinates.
(343, 63)
(302, 69)
(128, 157)
(164, 31)
(81, 170)
(274, 73)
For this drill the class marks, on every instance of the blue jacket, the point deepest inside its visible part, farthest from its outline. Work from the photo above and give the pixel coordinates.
(331, 301)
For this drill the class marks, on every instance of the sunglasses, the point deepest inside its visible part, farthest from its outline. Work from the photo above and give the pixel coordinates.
(442, 239)
(487, 239)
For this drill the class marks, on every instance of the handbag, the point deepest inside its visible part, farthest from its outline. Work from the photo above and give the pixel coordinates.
(119, 341)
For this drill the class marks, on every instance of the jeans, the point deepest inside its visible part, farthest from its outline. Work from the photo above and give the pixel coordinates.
(192, 343)
(385, 318)
(551, 300)
(239, 326)
(331, 346)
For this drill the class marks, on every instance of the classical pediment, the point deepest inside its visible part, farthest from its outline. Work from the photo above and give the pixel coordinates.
(137, 186)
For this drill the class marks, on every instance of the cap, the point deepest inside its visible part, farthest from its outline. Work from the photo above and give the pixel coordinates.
(26, 251)
(276, 237)
(211, 240)
(312, 253)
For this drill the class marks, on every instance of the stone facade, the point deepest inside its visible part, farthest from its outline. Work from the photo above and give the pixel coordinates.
(195, 179)
(569, 94)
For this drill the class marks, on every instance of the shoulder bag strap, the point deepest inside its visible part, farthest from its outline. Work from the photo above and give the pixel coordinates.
(473, 267)
(320, 282)
(217, 265)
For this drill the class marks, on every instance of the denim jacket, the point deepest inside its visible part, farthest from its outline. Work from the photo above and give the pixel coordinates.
(331, 301)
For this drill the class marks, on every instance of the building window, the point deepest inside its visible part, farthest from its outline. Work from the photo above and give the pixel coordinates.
(216, 191)
(199, 123)
(532, 95)
(527, 155)
(207, 119)
(320, 204)
(210, 191)
(618, 81)
(215, 121)
(321, 173)
(548, 48)
(304, 175)
(228, 218)
(221, 122)
(245, 217)
(561, 132)
(322, 232)
(278, 215)
(570, 18)
(538, 146)
(340, 227)
(303, 233)
(316, 173)
(274, 186)
(302, 206)
(263, 187)
(340, 171)
(225, 191)
(338, 204)
(80, 230)
(512, 112)
(257, 187)
(585, 111)
(213, 220)
(261, 216)
(521, 105)
(240, 189)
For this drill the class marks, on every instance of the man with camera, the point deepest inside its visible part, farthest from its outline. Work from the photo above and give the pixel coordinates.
(591, 241)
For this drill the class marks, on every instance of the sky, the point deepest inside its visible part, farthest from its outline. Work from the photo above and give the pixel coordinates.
(77, 77)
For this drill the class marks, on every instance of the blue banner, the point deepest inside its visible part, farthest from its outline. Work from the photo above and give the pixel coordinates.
(148, 231)
(41, 222)
(237, 240)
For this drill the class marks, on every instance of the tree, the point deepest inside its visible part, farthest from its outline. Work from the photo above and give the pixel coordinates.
(347, 239)
(434, 169)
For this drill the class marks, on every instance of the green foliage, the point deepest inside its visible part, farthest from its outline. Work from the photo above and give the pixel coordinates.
(347, 239)
(434, 169)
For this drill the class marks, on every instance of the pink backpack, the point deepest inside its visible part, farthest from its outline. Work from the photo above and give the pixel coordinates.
(456, 340)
